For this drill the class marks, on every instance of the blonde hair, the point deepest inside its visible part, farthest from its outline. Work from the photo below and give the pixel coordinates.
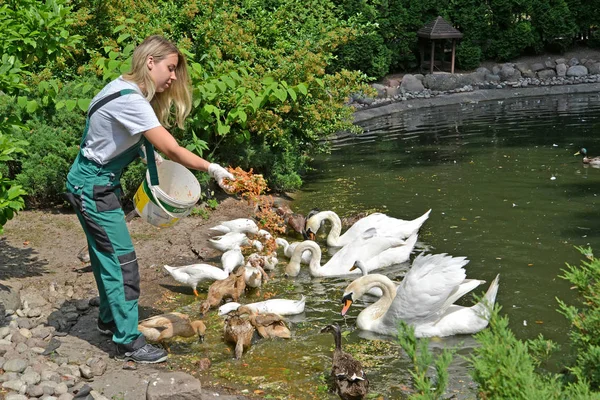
(178, 92)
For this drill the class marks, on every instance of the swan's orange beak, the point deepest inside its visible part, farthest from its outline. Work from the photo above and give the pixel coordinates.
(347, 302)
(353, 267)
(311, 236)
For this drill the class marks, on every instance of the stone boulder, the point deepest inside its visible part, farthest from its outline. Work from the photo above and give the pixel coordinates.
(546, 74)
(525, 70)
(561, 70)
(174, 386)
(410, 83)
(509, 73)
(577, 70)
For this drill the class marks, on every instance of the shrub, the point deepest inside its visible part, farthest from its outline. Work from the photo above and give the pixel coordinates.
(468, 55)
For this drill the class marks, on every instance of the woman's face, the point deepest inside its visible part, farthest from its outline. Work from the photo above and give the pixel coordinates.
(163, 71)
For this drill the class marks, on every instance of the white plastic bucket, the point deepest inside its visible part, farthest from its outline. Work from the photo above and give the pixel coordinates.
(175, 196)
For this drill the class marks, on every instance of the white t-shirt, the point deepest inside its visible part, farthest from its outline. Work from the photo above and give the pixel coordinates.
(118, 125)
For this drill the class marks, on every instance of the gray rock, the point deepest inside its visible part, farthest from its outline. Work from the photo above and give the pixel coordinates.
(561, 70)
(10, 298)
(35, 391)
(441, 82)
(546, 74)
(61, 388)
(15, 384)
(34, 312)
(82, 305)
(561, 61)
(577, 70)
(492, 78)
(49, 398)
(509, 73)
(535, 67)
(380, 90)
(33, 298)
(15, 396)
(550, 63)
(97, 365)
(411, 84)
(94, 301)
(86, 371)
(495, 70)
(17, 338)
(15, 365)
(594, 68)
(31, 378)
(2, 361)
(42, 332)
(573, 61)
(525, 70)
(49, 375)
(48, 387)
(4, 331)
(65, 396)
(174, 386)
(21, 347)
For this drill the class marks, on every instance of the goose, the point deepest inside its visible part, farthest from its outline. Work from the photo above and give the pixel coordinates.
(232, 258)
(281, 307)
(239, 330)
(384, 224)
(341, 263)
(288, 250)
(586, 159)
(268, 325)
(241, 225)
(192, 274)
(166, 326)
(424, 299)
(233, 240)
(347, 373)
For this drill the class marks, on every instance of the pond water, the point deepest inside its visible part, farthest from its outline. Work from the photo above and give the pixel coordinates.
(505, 191)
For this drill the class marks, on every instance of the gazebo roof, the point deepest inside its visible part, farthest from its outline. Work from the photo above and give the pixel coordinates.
(439, 28)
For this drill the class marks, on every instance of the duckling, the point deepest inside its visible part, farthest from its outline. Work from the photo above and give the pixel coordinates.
(239, 330)
(594, 161)
(293, 221)
(255, 276)
(166, 326)
(192, 274)
(231, 287)
(242, 225)
(266, 262)
(268, 325)
(348, 375)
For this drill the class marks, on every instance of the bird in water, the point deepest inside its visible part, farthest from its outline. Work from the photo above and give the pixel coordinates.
(594, 161)
(348, 375)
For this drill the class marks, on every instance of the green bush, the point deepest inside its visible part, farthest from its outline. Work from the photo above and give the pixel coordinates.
(367, 53)
(468, 55)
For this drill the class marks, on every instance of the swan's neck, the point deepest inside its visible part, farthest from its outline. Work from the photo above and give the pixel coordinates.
(336, 227)
(293, 267)
(377, 310)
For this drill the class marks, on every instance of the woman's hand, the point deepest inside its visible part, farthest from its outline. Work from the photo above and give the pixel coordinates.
(219, 174)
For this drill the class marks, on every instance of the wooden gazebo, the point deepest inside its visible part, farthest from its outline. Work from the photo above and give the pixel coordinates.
(438, 29)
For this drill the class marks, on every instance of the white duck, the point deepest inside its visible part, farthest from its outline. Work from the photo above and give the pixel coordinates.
(384, 224)
(231, 259)
(341, 263)
(277, 306)
(233, 240)
(424, 299)
(288, 249)
(254, 276)
(192, 274)
(242, 225)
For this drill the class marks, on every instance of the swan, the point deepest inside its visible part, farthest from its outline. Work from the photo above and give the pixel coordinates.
(424, 299)
(347, 373)
(233, 240)
(277, 306)
(231, 259)
(384, 224)
(166, 326)
(192, 274)
(341, 263)
(374, 291)
(241, 225)
(288, 250)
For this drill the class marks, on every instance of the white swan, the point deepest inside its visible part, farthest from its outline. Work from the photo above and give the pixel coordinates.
(384, 224)
(424, 299)
(277, 306)
(231, 259)
(288, 250)
(242, 225)
(341, 263)
(233, 240)
(192, 274)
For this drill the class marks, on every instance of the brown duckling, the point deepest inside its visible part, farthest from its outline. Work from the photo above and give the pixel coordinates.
(293, 221)
(166, 326)
(238, 330)
(349, 378)
(268, 325)
(231, 287)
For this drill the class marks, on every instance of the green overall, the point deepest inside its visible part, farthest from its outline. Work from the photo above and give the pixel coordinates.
(95, 192)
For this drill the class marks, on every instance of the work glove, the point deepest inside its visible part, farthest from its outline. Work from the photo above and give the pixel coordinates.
(219, 173)
(157, 157)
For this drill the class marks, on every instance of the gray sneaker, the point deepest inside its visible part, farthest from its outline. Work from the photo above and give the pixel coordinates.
(144, 353)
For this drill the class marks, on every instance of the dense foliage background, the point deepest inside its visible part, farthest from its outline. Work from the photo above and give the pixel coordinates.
(271, 78)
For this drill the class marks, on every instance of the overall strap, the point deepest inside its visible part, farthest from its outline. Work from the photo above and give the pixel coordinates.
(97, 106)
(151, 162)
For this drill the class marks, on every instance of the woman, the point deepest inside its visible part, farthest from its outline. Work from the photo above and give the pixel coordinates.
(129, 114)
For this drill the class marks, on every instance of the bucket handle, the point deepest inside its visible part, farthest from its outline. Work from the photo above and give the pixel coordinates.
(156, 201)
